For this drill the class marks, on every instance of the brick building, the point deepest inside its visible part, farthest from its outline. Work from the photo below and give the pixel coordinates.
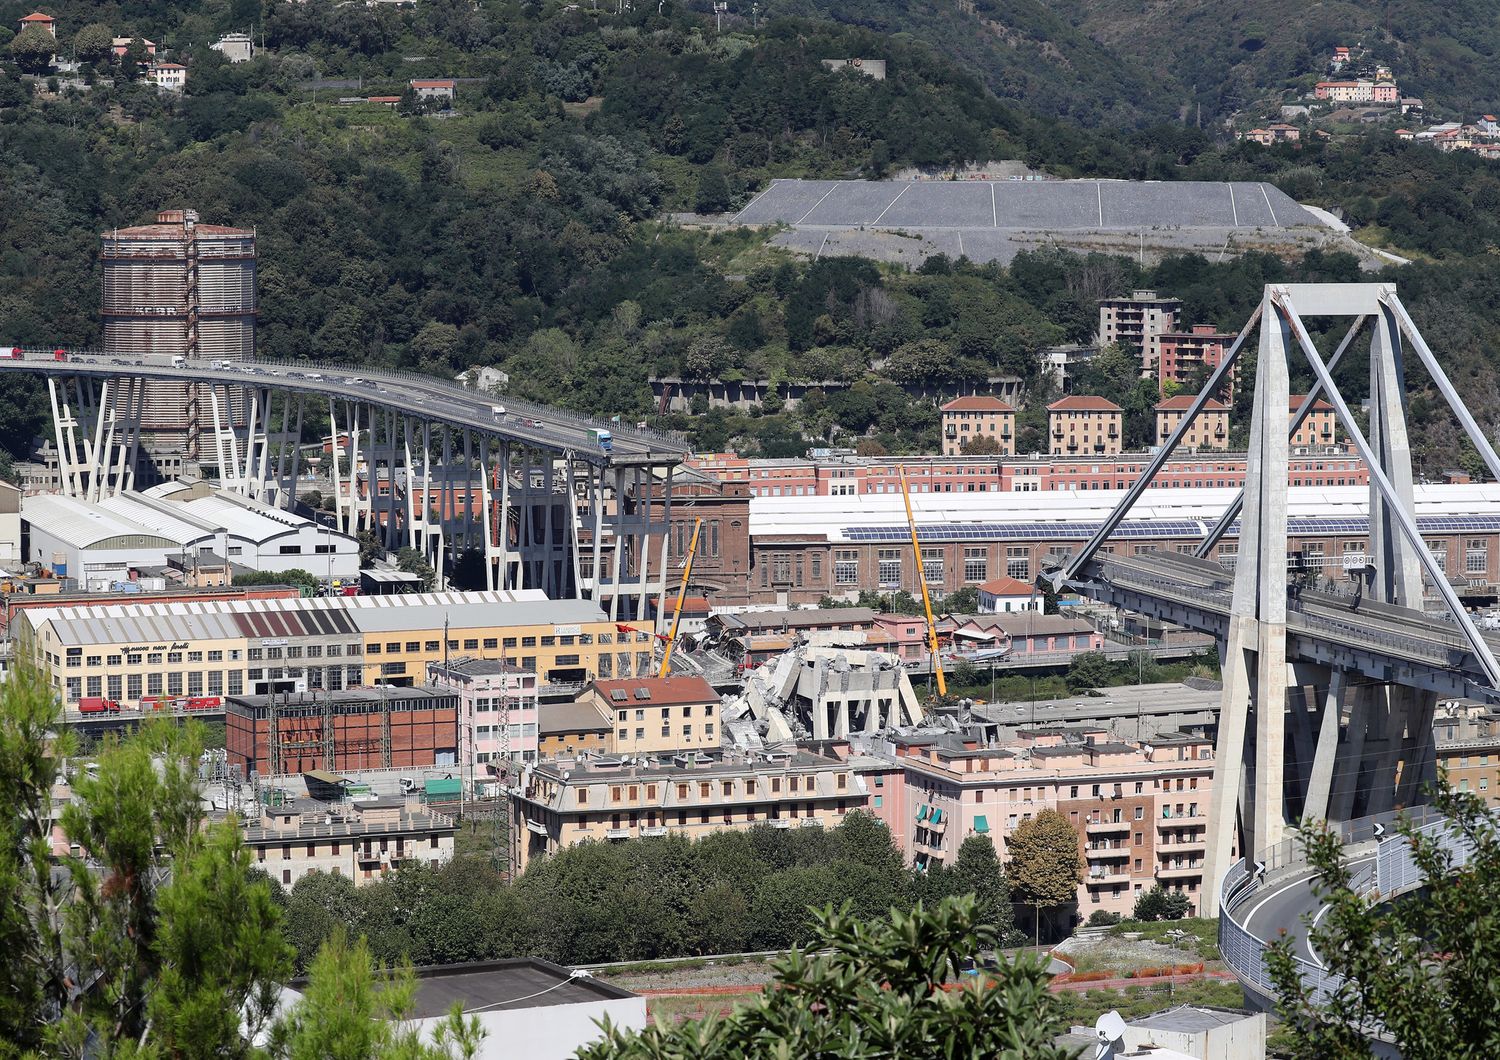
(856, 476)
(805, 549)
(1081, 425)
(1208, 430)
(1185, 353)
(967, 419)
(382, 728)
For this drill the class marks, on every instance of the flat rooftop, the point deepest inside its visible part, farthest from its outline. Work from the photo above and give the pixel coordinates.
(524, 983)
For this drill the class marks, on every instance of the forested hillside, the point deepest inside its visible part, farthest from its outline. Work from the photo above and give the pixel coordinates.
(1223, 55)
(525, 227)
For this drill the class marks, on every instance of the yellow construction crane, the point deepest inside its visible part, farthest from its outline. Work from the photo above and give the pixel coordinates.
(932, 638)
(687, 572)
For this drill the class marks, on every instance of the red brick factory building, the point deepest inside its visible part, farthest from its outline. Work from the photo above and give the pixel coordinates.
(383, 728)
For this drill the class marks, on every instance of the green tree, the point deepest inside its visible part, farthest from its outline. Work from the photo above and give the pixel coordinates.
(1089, 670)
(93, 43)
(1160, 904)
(163, 918)
(412, 561)
(1045, 868)
(436, 343)
(977, 871)
(879, 992)
(1421, 968)
(134, 61)
(981, 445)
(713, 191)
(352, 1010)
(295, 576)
(963, 601)
(33, 974)
(33, 49)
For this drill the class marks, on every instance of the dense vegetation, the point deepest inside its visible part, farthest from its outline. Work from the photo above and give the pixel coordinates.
(728, 892)
(1224, 56)
(521, 229)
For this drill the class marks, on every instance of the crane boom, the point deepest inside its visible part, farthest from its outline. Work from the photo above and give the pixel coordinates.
(687, 572)
(932, 638)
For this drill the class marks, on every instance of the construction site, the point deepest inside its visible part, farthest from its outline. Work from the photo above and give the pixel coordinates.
(381, 728)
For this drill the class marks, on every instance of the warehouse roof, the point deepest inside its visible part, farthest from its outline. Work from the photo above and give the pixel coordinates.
(83, 525)
(1076, 513)
(132, 623)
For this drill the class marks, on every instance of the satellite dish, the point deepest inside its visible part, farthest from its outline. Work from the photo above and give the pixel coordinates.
(1109, 1029)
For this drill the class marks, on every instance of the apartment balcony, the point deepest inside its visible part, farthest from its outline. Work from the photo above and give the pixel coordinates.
(1113, 879)
(617, 833)
(1182, 846)
(1104, 827)
(1179, 872)
(1108, 854)
(654, 830)
(1164, 824)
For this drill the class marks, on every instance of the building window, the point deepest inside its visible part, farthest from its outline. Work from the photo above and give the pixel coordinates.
(1018, 562)
(976, 563)
(932, 565)
(889, 566)
(846, 567)
(1476, 556)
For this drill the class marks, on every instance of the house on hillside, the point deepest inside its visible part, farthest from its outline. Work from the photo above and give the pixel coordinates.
(442, 88)
(170, 77)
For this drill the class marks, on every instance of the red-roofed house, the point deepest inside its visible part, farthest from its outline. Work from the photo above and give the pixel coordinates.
(1318, 429)
(1082, 425)
(120, 45)
(968, 418)
(679, 713)
(36, 18)
(1001, 595)
(170, 76)
(1209, 429)
(434, 88)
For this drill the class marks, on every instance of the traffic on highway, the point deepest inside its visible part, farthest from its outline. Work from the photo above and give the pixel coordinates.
(407, 393)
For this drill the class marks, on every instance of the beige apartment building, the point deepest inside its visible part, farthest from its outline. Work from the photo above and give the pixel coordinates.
(361, 840)
(1137, 322)
(1319, 428)
(1082, 425)
(568, 801)
(652, 714)
(1208, 430)
(966, 419)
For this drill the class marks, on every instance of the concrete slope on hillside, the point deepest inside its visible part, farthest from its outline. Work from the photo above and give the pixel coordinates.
(906, 221)
(1099, 205)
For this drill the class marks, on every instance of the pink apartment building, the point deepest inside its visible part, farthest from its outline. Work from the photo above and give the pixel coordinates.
(497, 709)
(1140, 810)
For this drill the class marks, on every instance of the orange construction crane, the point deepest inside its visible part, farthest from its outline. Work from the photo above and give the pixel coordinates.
(932, 637)
(687, 572)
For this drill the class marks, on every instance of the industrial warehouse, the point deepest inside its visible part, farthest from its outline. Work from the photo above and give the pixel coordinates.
(100, 542)
(127, 653)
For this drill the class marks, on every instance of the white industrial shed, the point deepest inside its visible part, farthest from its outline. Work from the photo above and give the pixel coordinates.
(97, 542)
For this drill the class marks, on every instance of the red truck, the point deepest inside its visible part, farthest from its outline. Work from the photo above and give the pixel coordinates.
(98, 705)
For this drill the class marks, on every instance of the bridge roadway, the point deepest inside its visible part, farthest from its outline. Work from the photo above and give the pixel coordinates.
(1427, 651)
(406, 393)
(1275, 898)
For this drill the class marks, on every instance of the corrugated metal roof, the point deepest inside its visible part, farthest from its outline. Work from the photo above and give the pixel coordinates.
(139, 623)
(815, 515)
(80, 524)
